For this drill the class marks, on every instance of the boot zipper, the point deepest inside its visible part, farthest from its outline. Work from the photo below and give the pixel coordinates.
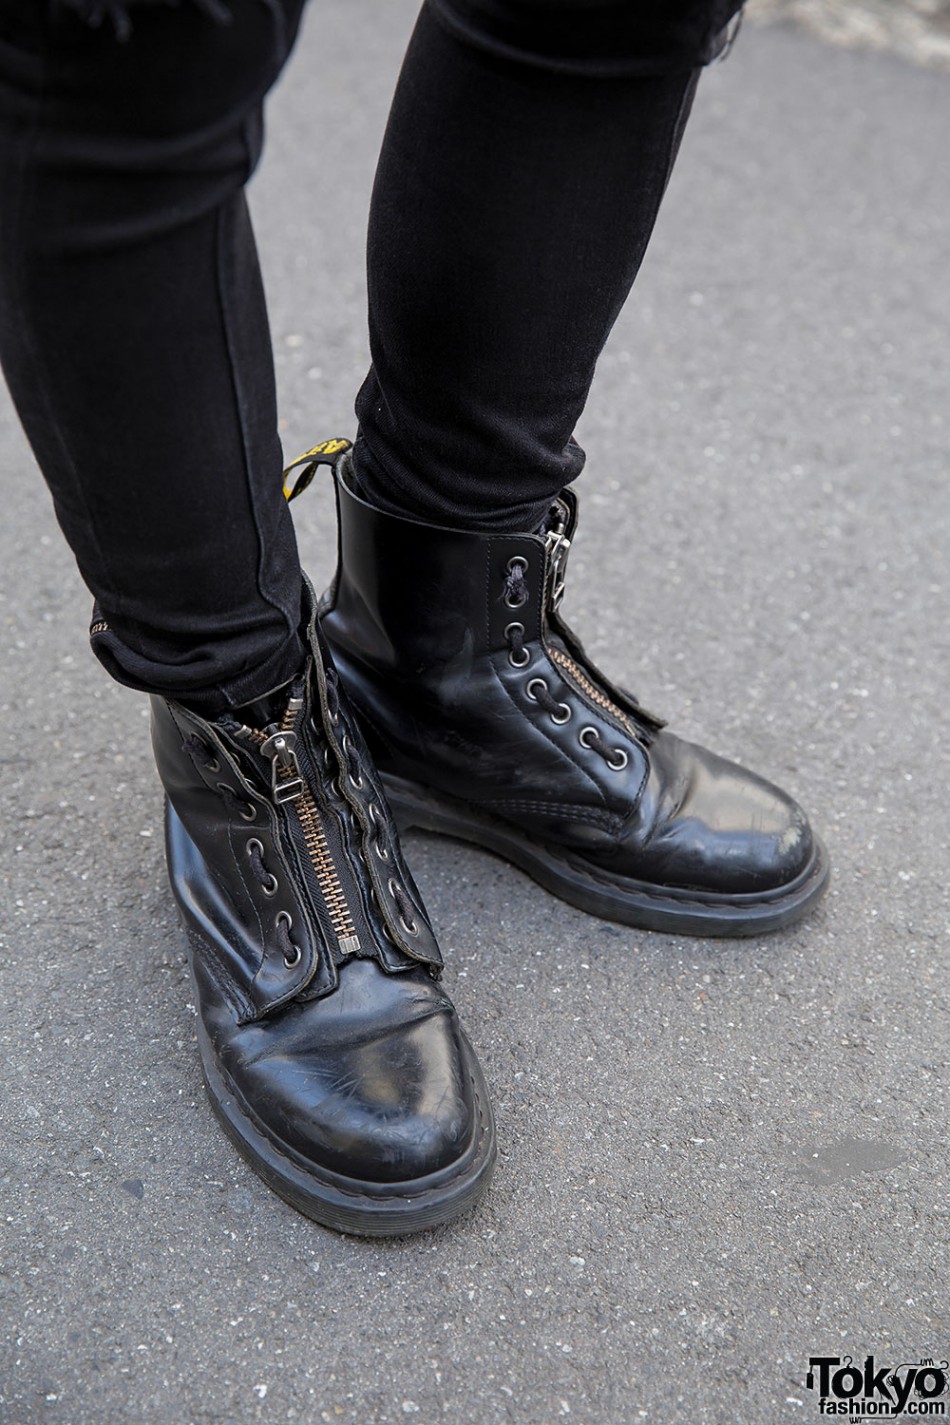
(557, 547)
(289, 786)
(586, 688)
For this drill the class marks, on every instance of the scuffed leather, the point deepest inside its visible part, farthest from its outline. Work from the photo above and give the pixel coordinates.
(353, 1066)
(373, 1082)
(235, 914)
(416, 620)
(207, 844)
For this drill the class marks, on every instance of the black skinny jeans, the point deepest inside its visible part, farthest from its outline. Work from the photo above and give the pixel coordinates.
(529, 146)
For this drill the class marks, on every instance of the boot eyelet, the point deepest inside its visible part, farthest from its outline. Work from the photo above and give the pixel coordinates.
(270, 885)
(355, 782)
(515, 598)
(250, 812)
(616, 758)
(523, 662)
(385, 928)
(285, 919)
(199, 751)
(398, 894)
(543, 695)
(376, 819)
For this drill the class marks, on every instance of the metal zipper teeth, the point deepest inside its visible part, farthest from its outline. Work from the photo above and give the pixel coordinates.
(318, 849)
(334, 896)
(573, 669)
(564, 661)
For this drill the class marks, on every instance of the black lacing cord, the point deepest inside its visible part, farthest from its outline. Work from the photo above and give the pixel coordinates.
(538, 690)
(351, 758)
(256, 854)
(516, 592)
(203, 758)
(200, 753)
(596, 743)
(236, 805)
(268, 881)
(292, 951)
(615, 757)
(333, 694)
(353, 769)
(376, 819)
(406, 908)
(516, 585)
(518, 654)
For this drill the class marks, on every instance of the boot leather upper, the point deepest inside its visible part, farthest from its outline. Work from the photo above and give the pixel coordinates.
(420, 622)
(345, 1052)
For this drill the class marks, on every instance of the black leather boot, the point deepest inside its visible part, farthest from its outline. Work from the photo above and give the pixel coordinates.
(489, 722)
(332, 1058)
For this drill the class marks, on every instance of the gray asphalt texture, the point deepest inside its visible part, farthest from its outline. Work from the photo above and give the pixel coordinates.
(717, 1159)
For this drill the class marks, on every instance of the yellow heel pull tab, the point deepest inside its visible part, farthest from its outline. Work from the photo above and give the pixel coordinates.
(328, 452)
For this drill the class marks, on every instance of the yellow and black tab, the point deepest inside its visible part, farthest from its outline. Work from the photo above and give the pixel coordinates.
(328, 452)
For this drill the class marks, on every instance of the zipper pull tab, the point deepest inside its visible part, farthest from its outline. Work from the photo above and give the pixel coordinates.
(286, 782)
(557, 547)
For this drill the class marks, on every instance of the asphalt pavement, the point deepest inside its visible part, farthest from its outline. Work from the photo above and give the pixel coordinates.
(718, 1159)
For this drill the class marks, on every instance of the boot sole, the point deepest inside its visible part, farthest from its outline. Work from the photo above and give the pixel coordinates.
(619, 898)
(362, 1209)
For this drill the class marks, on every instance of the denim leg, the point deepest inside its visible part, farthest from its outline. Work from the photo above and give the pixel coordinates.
(134, 334)
(528, 149)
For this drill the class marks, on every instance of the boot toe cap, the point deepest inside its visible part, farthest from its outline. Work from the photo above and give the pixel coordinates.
(374, 1083)
(719, 829)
